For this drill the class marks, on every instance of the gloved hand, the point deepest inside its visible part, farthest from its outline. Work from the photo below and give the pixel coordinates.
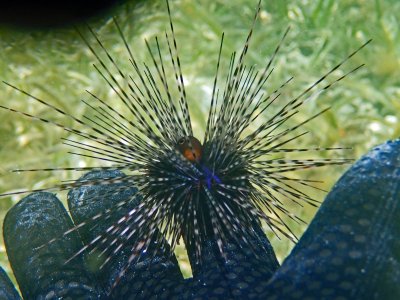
(351, 249)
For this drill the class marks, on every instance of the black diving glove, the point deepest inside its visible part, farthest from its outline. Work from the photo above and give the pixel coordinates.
(351, 249)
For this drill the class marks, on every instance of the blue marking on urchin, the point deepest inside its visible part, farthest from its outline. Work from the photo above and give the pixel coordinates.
(210, 177)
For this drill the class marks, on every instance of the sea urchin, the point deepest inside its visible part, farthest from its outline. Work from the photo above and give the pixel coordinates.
(219, 186)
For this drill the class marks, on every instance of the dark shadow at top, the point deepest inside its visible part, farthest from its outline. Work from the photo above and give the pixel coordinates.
(46, 14)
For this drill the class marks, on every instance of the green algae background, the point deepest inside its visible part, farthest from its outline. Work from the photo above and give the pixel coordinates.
(57, 66)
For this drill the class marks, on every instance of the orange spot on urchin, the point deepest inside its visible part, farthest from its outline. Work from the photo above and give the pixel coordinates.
(191, 148)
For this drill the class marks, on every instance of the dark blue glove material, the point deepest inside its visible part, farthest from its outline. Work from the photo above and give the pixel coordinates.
(7, 289)
(351, 250)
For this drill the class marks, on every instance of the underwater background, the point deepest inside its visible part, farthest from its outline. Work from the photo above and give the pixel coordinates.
(56, 65)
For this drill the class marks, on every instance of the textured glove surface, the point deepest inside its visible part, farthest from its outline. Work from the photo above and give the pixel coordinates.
(350, 250)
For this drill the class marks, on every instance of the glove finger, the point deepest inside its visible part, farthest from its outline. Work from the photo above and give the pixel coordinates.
(114, 201)
(7, 288)
(240, 274)
(351, 250)
(39, 266)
